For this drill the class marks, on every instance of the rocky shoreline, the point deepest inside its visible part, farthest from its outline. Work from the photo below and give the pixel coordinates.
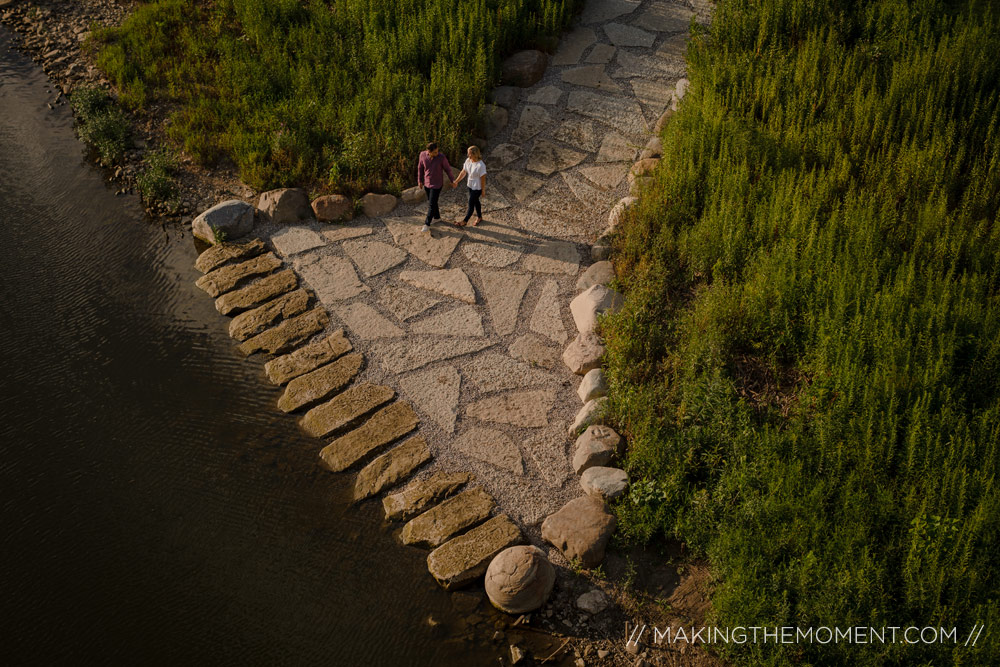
(587, 612)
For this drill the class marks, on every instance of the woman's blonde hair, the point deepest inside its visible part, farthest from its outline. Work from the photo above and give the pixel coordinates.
(475, 152)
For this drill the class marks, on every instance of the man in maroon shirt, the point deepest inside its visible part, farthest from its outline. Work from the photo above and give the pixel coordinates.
(429, 168)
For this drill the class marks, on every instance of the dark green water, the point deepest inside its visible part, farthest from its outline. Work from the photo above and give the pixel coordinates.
(156, 507)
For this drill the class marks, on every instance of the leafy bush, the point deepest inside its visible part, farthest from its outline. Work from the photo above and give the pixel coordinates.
(806, 363)
(102, 124)
(154, 181)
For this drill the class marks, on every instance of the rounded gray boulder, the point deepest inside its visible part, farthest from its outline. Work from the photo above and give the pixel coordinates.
(520, 579)
(232, 219)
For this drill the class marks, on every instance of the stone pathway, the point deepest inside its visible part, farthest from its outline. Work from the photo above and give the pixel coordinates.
(452, 343)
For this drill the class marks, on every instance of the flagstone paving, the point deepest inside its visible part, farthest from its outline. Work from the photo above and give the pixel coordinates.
(459, 334)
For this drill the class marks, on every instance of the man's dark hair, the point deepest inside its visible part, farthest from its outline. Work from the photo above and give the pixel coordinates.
(432, 146)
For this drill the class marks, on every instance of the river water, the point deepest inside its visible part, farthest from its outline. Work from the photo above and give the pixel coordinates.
(156, 507)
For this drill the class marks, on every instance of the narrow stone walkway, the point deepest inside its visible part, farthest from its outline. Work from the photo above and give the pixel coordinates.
(452, 343)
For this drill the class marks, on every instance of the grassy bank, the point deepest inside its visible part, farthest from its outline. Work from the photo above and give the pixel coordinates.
(807, 364)
(339, 93)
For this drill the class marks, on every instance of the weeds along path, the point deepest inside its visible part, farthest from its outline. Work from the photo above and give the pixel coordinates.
(467, 326)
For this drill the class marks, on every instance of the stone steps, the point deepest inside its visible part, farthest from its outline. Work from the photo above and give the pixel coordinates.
(442, 522)
(320, 383)
(252, 322)
(383, 427)
(462, 560)
(391, 468)
(257, 293)
(421, 494)
(224, 279)
(345, 408)
(288, 334)
(225, 253)
(307, 358)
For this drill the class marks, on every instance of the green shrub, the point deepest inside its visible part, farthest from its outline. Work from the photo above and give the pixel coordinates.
(806, 362)
(155, 182)
(102, 124)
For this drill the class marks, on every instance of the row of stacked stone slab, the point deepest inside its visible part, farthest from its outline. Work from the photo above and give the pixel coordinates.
(272, 314)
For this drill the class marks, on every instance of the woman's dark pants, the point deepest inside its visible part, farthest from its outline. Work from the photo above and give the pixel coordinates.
(474, 204)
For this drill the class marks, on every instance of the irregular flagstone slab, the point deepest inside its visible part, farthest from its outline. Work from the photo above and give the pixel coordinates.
(591, 76)
(434, 249)
(227, 277)
(579, 134)
(632, 65)
(295, 239)
(594, 198)
(548, 451)
(421, 494)
(491, 244)
(665, 17)
(503, 291)
(601, 54)
(374, 257)
(366, 322)
(464, 559)
(252, 322)
(572, 46)
(344, 408)
(546, 95)
(342, 233)
(399, 358)
(438, 524)
(318, 384)
(288, 334)
(452, 283)
(533, 120)
(547, 158)
(605, 177)
(523, 408)
(518, 184)
(391, 468)
(554, 257)
(580, 530)
(257, 293)
(405, 303)
(491, 446)
(307, 358)
(534, 351)
(492, 371)
(624, 35)
(332, 278)
(386, 425)
(674, 49)
(460, 321)
(616, 148)
(504, 154)
(621, 113)
(547, 318)
(549, 223)
(602, 11)
(654, 95)
(435, 392)
(224, 253)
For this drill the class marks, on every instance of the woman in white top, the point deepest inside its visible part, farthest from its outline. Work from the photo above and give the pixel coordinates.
(475, 169)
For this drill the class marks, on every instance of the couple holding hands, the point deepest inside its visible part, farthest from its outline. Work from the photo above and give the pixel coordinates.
(430, 166)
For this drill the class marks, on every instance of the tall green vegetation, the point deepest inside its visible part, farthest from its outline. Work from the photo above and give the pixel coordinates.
(343, 91)
(808, 363)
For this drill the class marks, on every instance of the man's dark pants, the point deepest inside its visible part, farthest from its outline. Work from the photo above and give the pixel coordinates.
(433, 194)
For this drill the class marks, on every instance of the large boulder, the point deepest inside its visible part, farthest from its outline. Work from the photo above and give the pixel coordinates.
(592, 412)
(584, 353)
(599, 273)
(581, 530)
(375, 206)
(415, 195)
(596, 447)
(524, 69)
(232, 219)
(505, 96)
(606, 483)
(331, 208)
(285, 205)
(520, 579)
(594, 301)
(593, 386)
